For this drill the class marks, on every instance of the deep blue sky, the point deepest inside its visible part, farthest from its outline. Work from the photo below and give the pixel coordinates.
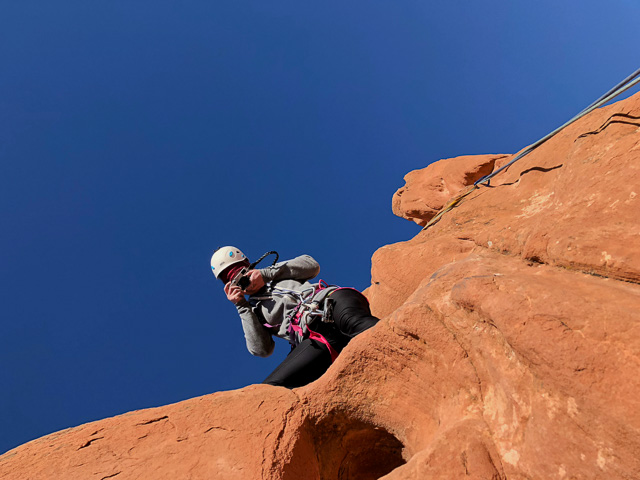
(136, 136)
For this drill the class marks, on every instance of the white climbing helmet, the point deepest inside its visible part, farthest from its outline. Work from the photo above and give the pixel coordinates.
(225, 257)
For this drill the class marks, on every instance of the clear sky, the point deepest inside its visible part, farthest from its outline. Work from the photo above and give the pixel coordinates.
(136, 136)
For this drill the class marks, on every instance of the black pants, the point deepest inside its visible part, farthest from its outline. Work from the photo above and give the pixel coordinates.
(310, 359)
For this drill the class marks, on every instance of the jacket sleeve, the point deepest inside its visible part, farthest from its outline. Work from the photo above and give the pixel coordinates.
(259, 340)
(301, 268)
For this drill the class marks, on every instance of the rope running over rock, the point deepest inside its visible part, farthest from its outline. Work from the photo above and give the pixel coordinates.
(622, 87)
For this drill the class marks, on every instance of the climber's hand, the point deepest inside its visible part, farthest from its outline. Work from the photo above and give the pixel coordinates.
(234, 293)
(257, 282)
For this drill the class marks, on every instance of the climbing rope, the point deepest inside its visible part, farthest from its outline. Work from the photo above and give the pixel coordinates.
(622, 87)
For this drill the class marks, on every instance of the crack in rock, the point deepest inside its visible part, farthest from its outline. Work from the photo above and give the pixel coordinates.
(89, 442)
(110, 476)
(611, 120)
(153, 420)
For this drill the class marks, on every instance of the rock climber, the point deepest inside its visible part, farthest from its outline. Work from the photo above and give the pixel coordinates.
(317, 319)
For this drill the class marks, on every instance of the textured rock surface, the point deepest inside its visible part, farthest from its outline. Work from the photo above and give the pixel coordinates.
(509, 345)
(427, 190)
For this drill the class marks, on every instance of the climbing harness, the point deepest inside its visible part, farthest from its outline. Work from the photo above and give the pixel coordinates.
(302, 314)
(622, 87)
(305, 312)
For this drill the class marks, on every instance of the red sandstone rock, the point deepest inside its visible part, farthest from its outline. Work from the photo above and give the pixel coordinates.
(428, 190)
(509, 346)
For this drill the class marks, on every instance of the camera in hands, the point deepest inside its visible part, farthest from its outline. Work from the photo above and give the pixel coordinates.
(241, 279)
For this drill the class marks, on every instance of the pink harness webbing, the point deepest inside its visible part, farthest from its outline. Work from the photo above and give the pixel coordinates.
(320, 338)
(347, 288)
(294, 325)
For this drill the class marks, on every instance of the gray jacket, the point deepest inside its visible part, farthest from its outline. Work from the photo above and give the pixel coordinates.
(268, 311)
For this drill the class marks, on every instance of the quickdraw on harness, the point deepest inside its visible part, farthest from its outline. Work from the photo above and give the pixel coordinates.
(622, 87)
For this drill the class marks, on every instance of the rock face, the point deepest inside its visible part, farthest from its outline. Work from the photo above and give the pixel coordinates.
(427, 190)
(509, 345)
